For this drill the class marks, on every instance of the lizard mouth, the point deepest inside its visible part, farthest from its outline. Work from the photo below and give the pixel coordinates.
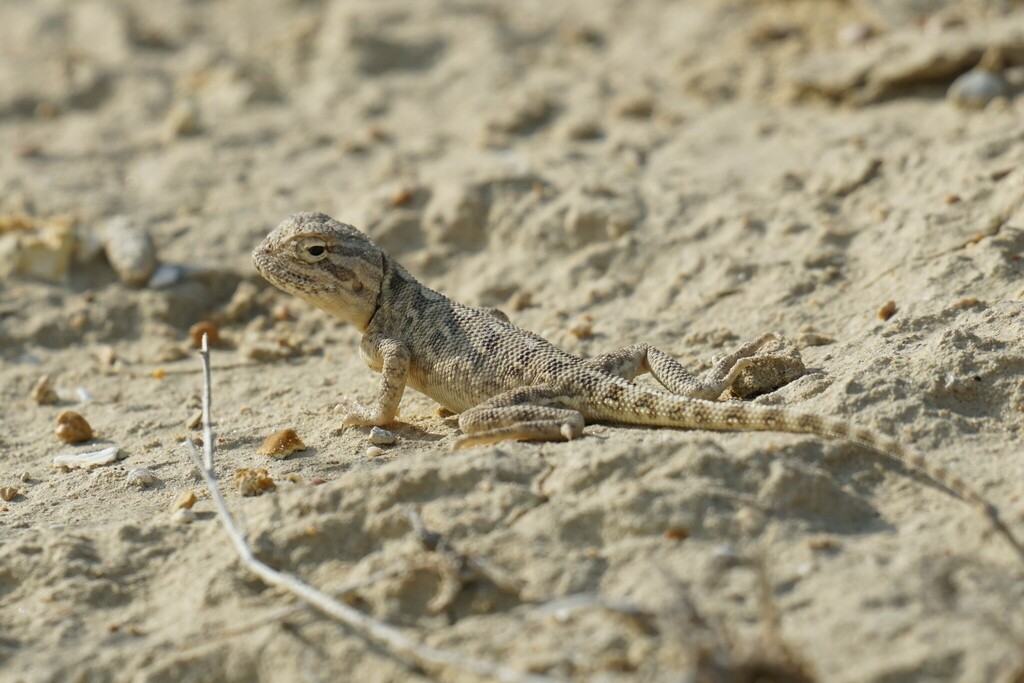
(269, 267)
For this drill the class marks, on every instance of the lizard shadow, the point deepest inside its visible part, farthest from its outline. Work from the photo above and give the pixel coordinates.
(823, 488)
(308, 453)
(405, 431)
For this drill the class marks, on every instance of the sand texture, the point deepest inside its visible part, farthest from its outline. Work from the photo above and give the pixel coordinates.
(686, 173)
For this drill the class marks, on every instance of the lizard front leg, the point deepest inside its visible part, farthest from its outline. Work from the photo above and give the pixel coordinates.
(637, 359)
(390, 357)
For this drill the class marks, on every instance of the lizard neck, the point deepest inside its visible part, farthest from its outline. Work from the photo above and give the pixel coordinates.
(399, 292)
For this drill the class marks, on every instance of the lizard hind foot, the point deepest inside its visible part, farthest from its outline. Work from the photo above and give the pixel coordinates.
(568, 432)
(524, 414)
(536, 430)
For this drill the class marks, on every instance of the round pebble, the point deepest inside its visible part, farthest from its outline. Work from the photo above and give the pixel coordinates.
(185, 500)
(43, 392)
(252, 481)
(130, 251)
(381, 437)
(183, 516)
(140, 477)
(857, 33)
(887, 310)
(282, 444)
(976, 88)
(72, 427)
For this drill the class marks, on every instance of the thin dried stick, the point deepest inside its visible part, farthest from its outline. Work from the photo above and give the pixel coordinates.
(298, 608)
(207, 411)
(460, 568)
(387, 635)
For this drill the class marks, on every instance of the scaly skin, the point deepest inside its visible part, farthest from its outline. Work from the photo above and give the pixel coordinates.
(509, 383)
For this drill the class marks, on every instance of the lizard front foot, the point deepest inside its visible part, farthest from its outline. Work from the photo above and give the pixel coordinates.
(360, 416)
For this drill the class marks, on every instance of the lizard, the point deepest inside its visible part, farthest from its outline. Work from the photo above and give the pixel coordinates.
(507, 383)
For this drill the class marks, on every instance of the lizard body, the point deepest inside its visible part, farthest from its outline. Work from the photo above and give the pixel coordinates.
(509, 383)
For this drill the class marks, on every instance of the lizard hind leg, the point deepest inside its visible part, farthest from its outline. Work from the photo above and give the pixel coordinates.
(525, 414)
(637, 359)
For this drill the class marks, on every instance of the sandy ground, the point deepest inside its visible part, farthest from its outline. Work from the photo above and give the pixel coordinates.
(689, 174)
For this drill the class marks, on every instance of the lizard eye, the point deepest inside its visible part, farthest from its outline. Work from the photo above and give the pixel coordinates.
(311, 250)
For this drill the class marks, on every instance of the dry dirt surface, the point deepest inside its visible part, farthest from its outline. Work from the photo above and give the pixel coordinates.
(686, 173)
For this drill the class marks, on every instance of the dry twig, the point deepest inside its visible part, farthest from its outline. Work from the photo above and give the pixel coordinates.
(385, 634)
(459, 568)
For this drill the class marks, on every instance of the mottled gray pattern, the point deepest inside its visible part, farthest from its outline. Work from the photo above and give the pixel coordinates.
(509, 383)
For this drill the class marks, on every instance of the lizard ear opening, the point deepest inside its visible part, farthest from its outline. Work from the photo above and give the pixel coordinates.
(311, 249)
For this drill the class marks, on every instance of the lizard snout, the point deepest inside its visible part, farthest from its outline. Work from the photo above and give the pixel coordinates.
(260, 256)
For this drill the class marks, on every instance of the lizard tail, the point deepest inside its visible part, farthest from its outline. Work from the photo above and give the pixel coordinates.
(658, 409)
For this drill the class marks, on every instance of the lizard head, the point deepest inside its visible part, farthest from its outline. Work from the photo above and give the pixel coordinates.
(328, 263)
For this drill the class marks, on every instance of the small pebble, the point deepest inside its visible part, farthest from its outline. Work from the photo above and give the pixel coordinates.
(584, 129)
(815, 339)
(381, 437)
(72, 427)
(184, 501)
(252, 481)
(582, 327)
(25, 476)
(282, 444)
(165, 275)
(823, 543)
(43, 392)
(967, 302)
(403, 197)
(78, 321)
(265, 352)
(182, 120)
(130, 251)
(243, 302)
(140, 477)
(106, 355)
(374, 451)
(520, 301)
(9, 493)
(857, 33)
(725, 550)
(635, 106)
(887, 310)
(750, 519)
(195, 420)
(29, 151)
(183, 516)
(976, 88)
(726, 556)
